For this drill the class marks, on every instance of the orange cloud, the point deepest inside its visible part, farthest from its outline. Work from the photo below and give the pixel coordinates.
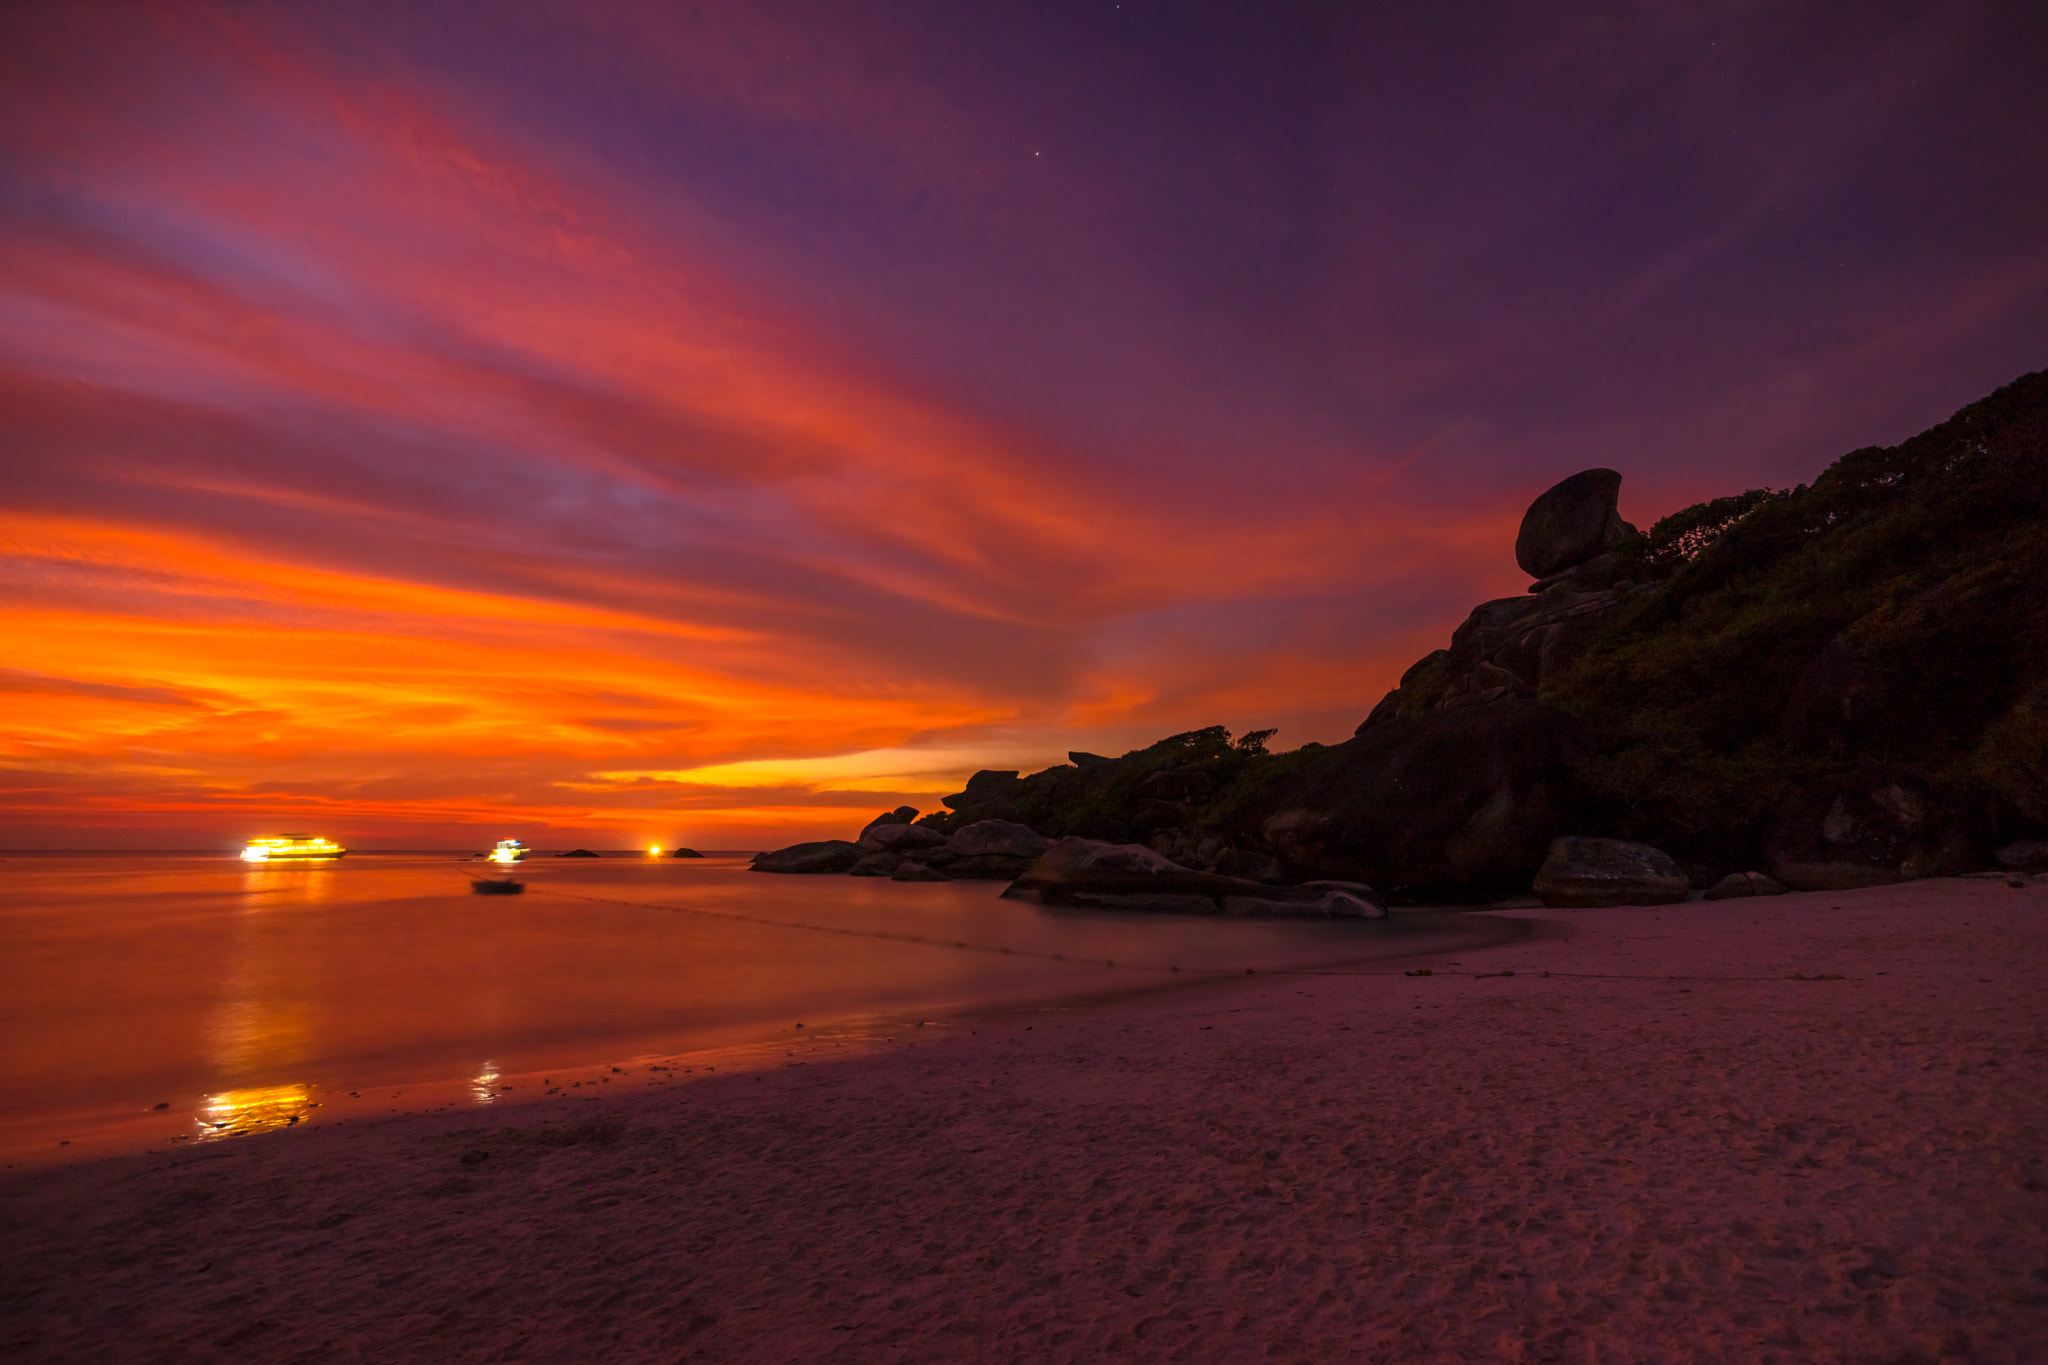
(375, 473)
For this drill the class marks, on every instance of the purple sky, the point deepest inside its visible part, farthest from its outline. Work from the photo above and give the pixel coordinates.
(693, 422)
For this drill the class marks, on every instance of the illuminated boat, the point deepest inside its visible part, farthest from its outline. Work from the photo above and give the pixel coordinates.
(510, 851)
(291, 848)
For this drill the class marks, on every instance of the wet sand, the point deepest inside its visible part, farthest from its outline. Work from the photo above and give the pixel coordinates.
(1809, 1128)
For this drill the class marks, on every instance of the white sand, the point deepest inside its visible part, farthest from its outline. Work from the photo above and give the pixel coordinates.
(1605, 1164)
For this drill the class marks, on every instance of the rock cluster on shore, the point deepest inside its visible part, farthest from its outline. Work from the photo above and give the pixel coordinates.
(1819, 688)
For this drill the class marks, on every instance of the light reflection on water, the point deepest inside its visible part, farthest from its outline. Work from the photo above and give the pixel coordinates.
(238, 995)
(234, 1112)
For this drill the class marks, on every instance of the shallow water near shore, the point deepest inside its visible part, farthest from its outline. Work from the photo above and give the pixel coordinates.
(248, 996)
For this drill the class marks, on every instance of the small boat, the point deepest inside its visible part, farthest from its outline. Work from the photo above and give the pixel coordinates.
(509, 851)
(291, 848)
(495, 886)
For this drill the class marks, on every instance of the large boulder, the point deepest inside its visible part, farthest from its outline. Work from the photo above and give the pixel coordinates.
(900, 838)
(908, 871)
(1451, 804)
(2024, 855)
(881, 864)
(1737, 885)
(1877, 825)
(828, 855)
(1574, 520)
(902, 815)
(998, 837)
(1094, 875)
(990, 850)
(1582, 872)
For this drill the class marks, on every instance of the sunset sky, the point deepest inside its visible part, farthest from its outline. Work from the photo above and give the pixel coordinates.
(610, 422)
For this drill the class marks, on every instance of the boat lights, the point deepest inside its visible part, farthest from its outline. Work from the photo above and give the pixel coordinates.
(286, 846)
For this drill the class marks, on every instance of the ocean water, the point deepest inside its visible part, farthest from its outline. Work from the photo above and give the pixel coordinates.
(151, 1000)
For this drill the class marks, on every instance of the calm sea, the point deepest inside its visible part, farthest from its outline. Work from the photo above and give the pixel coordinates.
(151, 1000)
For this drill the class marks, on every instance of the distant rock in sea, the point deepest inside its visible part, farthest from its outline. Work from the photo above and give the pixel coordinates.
(577, 853)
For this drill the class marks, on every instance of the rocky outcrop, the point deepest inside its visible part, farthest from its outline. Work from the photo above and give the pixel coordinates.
(1719, 688)
(882, 864)
(909, 871)
(1574, 520)
(1876, 825)
(577, 853)
(1453, 803)
(1087, 873)
(901, 838)
(1582, 872)
(990, 850)
(1509, 647)
(902, 815)
(1737, 885)
(1004, 838)
(684, 853)
(2023, 855)
(823, 856)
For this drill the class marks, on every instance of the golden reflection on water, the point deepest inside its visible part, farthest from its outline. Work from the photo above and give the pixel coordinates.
(295, 883)
(232, 1112)
(483, 1086)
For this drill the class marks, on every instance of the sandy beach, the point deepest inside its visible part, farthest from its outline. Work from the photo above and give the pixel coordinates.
(1806, 1128)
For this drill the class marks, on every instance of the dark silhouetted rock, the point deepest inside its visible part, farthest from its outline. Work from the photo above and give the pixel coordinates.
(1570, 523)
(684, 853)
(1333, 900)
(1739, 884)
(1447, 805)
(918, 872)
(577, 853)
(882, 864)
(1249, 865)
(902, 815)
(828, 855)
(990, 784)
(1871, 827)
(1005, 837)
(2026, 855)
(1090, 874)
(1506, 647)
(982, 867)
(1081, 760)
(1582, 872)
(902, 838)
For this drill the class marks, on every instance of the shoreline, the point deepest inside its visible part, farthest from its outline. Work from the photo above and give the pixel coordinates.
(41, 1140)
(1809, 1127)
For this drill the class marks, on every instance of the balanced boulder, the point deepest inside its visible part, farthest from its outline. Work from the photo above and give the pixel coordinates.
(1583, 872)
(1574, 520)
